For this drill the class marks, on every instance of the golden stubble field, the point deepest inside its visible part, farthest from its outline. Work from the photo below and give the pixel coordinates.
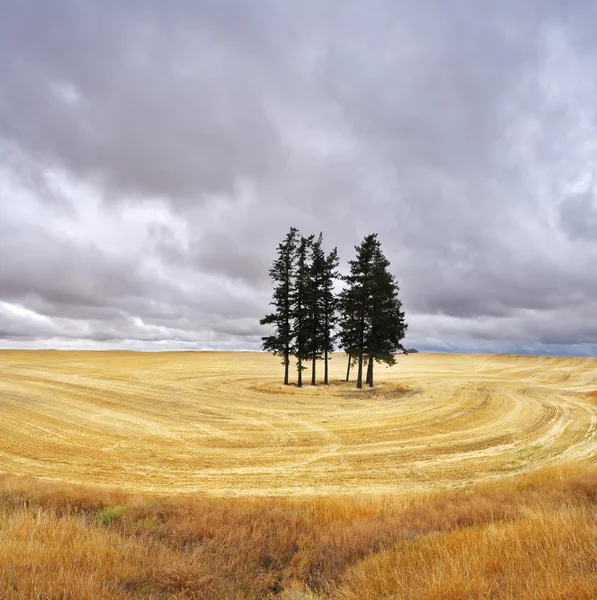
(222, 424)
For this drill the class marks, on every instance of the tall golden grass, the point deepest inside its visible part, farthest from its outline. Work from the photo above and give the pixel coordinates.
(530, 537)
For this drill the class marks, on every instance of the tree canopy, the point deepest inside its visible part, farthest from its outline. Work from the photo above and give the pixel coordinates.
(309, 316)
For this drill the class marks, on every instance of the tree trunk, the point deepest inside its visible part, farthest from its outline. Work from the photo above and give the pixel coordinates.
(361, 344)
(299, 381)
(370, 371)
(326, 341)
(348, 368)
(287, 301)
(313, 378)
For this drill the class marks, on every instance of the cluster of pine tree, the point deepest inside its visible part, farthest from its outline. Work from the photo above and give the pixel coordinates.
(309, 317)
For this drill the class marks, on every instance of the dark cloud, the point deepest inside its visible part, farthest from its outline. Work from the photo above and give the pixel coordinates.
(579, 215)
(140, 99)
(153, 156)
(63, 272)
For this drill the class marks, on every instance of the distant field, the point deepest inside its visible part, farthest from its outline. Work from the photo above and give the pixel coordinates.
(222, 424)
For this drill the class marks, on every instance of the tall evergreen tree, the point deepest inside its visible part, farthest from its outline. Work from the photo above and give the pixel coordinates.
(348, 337)
(355, 304)
(368, 310)
(387, 325)
(329, 307)
(301, 314)
(322, 306)
(280, 342)
(372, 322)
(315, 304)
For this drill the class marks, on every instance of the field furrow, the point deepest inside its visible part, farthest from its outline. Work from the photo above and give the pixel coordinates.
(222, 424)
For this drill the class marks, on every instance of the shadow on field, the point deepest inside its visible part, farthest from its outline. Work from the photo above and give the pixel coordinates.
(339, 388)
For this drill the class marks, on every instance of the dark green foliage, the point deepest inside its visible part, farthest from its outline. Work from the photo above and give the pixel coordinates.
(306, 308)
(321, 305)
(367, 313)
(280, 342)
(355, 302)
(372, 322)
(348, 335)
(315, 304)
(302, 314)
(386, 324)
(329, 306)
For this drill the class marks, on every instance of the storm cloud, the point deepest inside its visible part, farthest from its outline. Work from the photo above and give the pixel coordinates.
(153, 155)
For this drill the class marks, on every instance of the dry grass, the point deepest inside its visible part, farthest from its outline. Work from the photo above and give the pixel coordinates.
(221, 423)
(459, 477)
(532, 537)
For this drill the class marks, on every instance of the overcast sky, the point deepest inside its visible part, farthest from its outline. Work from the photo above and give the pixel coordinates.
(153, 154)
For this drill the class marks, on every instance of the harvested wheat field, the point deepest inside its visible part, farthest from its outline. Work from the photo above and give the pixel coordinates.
(222, 424)
(344, 494)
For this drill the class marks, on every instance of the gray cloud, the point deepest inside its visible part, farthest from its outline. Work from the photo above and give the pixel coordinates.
(579, 215)
(153, 157)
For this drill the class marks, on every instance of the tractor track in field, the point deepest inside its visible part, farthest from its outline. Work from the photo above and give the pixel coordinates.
(222, 424)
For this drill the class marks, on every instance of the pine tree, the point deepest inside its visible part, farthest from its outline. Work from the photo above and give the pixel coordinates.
(348, 321)
(330, 307)
(301, 315)
(315, 304)
(368, 310)
(321, 306)
(372, 322)
(355, 303)
(387, 324)
(282, 274)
